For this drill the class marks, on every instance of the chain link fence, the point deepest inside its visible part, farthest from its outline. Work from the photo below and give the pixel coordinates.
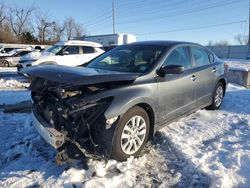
(231, 52)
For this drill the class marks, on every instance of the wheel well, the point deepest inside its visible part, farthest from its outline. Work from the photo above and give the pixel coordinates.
(224, 84)
(151, 116)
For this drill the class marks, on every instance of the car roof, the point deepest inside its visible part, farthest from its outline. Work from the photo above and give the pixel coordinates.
(163, 43)
(79, 42)
(24, 49)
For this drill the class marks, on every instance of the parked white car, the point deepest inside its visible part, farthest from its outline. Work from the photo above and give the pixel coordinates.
(70, 53)
(6, 50)
(12, 58)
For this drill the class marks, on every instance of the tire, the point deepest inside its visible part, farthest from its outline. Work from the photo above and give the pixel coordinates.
(217, 97)
(132, 142)
(5, 63)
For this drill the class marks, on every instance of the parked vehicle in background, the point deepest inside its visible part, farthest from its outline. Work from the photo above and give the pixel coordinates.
(117, 101)
(13, 57)
(6, 50)
(70, 53)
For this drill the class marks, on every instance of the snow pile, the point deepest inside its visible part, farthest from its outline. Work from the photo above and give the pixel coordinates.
(238, 64)
(207, 148)
(13, 83)
(8, 69)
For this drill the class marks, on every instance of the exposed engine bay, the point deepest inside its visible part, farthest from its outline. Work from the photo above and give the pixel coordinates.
(75, 111)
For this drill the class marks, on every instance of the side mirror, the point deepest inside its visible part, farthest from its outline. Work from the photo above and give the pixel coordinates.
(171, 69)
(65, 53)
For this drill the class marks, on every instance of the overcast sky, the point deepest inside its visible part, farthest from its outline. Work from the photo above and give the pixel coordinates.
(188, 20)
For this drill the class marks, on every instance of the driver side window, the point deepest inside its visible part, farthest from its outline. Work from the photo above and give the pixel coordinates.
(72, 50)
(179, 56)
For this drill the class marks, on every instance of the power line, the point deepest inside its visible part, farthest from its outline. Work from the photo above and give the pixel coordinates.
(197, 9)
(195, 28)
(99, 21)
(170, 7)
(155, 6)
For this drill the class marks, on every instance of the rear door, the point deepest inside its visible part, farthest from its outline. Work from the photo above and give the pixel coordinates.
(89, 53)
(73, 58)
(176, 92)
(206, 74)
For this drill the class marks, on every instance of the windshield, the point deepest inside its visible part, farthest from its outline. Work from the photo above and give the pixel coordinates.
(54, 49)
(12, 52)
(130, 58)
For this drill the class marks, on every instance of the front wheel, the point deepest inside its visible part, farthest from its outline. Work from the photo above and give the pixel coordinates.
(217, 97)
(131, 134)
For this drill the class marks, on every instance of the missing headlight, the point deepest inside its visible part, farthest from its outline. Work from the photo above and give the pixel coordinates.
(110, 121)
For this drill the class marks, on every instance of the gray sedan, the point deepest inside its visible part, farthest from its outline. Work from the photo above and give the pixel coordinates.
(117, 101)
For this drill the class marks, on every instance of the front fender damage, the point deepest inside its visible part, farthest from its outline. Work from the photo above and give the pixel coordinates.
(77, 113)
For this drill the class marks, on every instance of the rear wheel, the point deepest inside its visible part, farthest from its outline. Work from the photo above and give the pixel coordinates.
(131, 134)
(5, 63)
(217, 97)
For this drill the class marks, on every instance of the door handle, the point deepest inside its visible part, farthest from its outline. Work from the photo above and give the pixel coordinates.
(214, 69)
(193, 77)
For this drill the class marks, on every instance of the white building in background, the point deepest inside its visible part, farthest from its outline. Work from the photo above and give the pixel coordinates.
(111, 39)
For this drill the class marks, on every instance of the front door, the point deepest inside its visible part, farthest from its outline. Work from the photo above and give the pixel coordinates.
(206, 75)
(176, 92)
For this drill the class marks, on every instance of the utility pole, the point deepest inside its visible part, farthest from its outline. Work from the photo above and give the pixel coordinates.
(249, 23)
(113, 15)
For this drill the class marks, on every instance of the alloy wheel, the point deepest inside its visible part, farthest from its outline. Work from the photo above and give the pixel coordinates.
(133, 135)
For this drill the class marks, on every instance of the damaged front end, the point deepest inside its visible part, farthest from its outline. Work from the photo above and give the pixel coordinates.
(72, 117)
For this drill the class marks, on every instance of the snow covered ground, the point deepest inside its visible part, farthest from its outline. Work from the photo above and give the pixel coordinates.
(8, 69)
(205, 149)
(9, 79)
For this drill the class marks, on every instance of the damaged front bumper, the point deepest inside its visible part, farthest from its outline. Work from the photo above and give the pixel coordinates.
(50, 134)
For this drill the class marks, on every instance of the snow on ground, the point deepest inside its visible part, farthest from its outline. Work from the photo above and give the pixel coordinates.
(10, 83)
(8, 69)
(207, 148)
(13, 96)
(9, 79)
(238, 64)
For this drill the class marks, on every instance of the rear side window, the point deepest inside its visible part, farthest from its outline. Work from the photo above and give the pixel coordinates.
(23, 53)
(179, 56)
(200, 56)
(72, 50)
(88, 50)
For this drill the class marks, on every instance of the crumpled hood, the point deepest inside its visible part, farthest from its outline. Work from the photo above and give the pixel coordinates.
(77, 75)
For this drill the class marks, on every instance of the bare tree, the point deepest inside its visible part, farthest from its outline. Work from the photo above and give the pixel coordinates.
(19, 18)
(6, 34)
(72, 28)
(3, 16)
(57, 32)
(241, 39)
(44, 27)
(69, 25)
(79, 31)
(222, 43)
